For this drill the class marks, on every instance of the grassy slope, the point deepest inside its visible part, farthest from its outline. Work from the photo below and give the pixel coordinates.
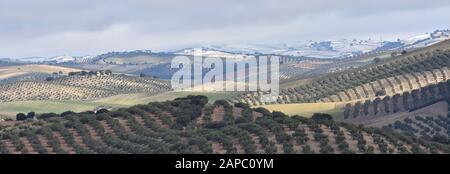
(133, 99)
(12, 71)
(46, 69)
(386, 57)
(308, 109)
(10, 109)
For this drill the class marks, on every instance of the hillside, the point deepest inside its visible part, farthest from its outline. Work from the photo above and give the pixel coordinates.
(190, 125)
(127, 62)
(338, 48)
(422, 112)
(419, 68)
(11, 73)
(80, 87)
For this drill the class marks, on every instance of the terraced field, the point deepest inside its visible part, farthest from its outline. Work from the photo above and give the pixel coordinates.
(391, 86)
(308, 109)
(142, 98)
(417, 99)
(393, 76)
(429, 126)
(31, 76)
(296, 68)
(80, 88)
(10, 109)
(14, 71)
(190, 125)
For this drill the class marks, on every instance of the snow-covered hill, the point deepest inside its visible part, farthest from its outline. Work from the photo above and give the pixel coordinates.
(325, 49)
(66, 58)
(316, 49)
(427, 39)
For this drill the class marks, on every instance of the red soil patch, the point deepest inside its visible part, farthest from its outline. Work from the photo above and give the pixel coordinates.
(370, 142)
(28, 145)
(238, 146)
(256, 115)
(352, 144)
(201, 119)
(218, 113)
(140, 120)
(237, 112)
(170, 115)
(218, 148)
(158, 120)
(315, 146)
(259, 147)
(107, 128)
(46, 144)
(93, 133)
(64, 145)
(78, 138)
(297, 147)
(11, 147)
(271, 137)
(124, 124)
(331, 138)
(8, 123)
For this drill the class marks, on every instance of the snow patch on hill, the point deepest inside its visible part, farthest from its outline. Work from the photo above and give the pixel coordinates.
(317, 49)
(325, 49)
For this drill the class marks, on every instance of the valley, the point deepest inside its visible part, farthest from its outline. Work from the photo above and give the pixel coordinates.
(347, 96)
(188, 125)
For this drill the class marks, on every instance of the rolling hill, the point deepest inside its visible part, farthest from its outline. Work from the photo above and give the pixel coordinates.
(80, 87)
(32, 71)
(190, 125)
(78, 91)
(339, 48)
(394, 75)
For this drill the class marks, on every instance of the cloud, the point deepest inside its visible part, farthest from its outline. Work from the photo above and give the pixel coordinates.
(54, 27)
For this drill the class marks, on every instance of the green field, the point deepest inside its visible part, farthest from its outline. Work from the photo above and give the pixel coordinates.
(134, 99)
(381, 56)
(10, 109)
(307, 109)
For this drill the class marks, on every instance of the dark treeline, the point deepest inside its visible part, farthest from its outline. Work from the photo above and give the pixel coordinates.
(408, 101)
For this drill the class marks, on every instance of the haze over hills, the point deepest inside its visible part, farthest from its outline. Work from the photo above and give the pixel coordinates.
(189, 126)
(398, 91)
(333, 48)
(225, 77)
(340, 48)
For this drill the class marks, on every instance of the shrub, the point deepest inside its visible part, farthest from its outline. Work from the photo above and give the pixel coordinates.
(66, 113)
(47, 115)
(320, 118)
(102, 111)
(241, 105)
(21, 117)
(31, 115)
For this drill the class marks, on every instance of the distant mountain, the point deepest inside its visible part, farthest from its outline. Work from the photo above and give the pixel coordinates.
(427, 39)
(316, 49)
(133, 57)
(66, 58)
(210, 52)
(56, 59)
(326, 49)
(32, 59)
(190, 125)
(102, 58)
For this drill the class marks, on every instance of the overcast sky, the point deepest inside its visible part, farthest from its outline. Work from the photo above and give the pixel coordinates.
(81, 27)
